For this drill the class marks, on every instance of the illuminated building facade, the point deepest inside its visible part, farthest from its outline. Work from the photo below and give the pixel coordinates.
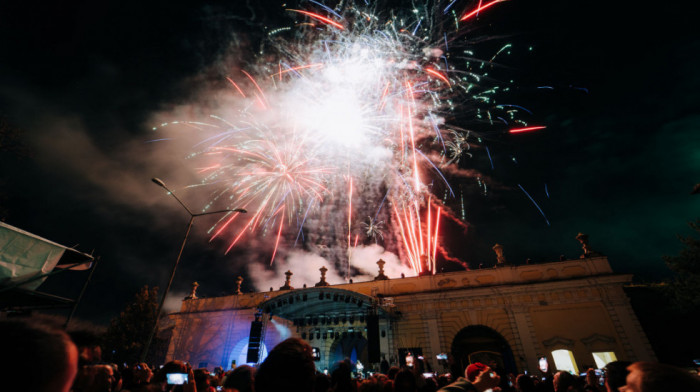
(574, 313)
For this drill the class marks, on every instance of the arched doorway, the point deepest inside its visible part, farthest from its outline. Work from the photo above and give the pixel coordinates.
(352, 346)
(478, 343)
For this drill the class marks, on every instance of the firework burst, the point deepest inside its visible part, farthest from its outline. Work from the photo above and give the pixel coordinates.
(351, 116)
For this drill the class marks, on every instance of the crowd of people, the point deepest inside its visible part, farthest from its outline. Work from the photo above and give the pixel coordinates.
(38, 357)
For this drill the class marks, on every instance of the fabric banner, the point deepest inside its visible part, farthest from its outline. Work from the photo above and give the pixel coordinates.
(24, 255)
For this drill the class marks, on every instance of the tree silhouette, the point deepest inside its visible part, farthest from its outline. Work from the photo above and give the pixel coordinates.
(128, 332)
(684, 288)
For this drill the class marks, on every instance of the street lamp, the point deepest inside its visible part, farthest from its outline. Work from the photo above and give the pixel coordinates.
(161, 184)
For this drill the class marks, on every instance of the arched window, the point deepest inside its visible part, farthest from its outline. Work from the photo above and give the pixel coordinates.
(564, 360)
(603, 358)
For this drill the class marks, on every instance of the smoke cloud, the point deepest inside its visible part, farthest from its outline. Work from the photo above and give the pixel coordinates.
(305, 268)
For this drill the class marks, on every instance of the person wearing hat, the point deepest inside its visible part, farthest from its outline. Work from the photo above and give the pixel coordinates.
(479, 378)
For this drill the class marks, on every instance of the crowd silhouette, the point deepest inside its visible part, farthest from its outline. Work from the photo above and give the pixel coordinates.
(40, 357)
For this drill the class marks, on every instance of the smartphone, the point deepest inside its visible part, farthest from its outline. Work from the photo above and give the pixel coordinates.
(177, 378)
(219, 388)
(428, 375)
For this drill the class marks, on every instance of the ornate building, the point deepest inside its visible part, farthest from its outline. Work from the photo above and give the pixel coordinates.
(573, 313)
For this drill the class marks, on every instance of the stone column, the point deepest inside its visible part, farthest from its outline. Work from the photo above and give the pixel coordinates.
(433, 332)
(633, 339)
(522, 322)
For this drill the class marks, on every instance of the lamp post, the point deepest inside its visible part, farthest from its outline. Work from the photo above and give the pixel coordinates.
(161, 184)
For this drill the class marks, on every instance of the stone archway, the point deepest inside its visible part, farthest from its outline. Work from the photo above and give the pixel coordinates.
(479, 343)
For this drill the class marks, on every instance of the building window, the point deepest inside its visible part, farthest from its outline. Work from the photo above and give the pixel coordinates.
(564, 360)
(604, 358)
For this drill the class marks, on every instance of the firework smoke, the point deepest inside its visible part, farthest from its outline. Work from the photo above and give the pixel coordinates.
(341, 138)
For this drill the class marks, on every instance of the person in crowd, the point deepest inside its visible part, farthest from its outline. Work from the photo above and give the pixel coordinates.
(385, 385)
(563, 381)
(430, 385)
(392, 372)
(369, 384)
(479, 378)
(544, 383)
(508, 382)
(524, 383)
(419, 368)
(202, 380)
(322, 383)
(656, 377)
(405, 381)
(36, 356)
(140, 376)
(97, 378)
(89, 349)
(217, 378)
(615, 374)
(592, 382)
(289, 367)
(384, 365)
(118, 382)
(341, 377)
(443, 380)
(388, 386)
(241, 379)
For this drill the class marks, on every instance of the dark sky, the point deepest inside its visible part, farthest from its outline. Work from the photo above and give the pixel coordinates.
(81, 82)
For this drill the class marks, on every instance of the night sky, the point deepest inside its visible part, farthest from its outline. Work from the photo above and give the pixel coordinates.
(82, 84)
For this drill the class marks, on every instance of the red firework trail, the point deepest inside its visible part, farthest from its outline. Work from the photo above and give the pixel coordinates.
(480, 8)
(527, 129)
(438, 75)
(319, 17)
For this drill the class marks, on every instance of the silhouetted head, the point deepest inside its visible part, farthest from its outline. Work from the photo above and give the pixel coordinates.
(36, 356)
(289, 367)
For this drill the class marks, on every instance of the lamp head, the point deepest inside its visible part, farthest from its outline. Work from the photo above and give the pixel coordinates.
(159, 182)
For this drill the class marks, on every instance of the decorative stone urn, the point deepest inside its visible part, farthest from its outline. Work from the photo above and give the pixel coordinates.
(322, 282)
(287, 285)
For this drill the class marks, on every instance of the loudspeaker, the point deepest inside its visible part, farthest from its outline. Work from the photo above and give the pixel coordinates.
(373, 338)
(254, 342)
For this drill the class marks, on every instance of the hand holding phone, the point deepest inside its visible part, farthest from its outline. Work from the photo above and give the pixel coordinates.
(177, 378)
(487, 379)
